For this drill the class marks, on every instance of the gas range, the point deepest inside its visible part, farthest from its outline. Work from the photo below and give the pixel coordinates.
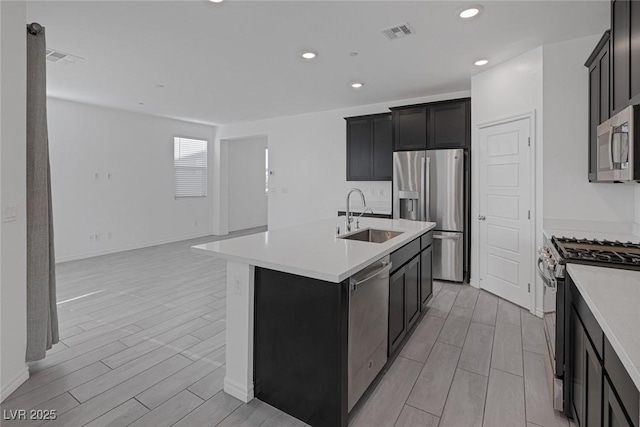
(602, 253)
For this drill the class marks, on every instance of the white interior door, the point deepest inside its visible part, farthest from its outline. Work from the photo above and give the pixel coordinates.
(505, 210)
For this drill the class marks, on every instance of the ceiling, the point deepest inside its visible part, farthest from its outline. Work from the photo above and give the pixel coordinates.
(240, 60)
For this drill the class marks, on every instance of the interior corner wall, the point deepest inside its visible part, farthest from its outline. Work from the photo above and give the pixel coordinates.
(112, 176)
(568, 195)
(13, 248)
(307, 154)
(509, 89)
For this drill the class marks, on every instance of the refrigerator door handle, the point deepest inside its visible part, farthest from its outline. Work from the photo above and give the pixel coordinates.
(422, 204)
(427, 190)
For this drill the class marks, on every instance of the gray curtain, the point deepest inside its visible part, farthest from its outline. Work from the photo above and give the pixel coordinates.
(42, 314)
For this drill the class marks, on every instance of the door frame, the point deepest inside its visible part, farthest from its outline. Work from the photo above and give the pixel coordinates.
(531, 117)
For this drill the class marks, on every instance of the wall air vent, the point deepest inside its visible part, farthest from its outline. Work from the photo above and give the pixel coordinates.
(398, 31)
(61, 57)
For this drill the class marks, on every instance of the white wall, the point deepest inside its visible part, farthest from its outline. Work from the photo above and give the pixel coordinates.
(247, 202)
(568, 195)
(13, 250)
(509, 89)
(308, 156)
(136, 207)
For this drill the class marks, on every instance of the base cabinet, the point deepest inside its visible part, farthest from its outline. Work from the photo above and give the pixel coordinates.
(601, 393)
(614, 415)
(410, 286)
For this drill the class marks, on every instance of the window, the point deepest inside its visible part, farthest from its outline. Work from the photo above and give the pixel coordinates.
(190, 167)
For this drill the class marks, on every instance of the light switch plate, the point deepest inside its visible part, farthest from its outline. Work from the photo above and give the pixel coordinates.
(9, 212)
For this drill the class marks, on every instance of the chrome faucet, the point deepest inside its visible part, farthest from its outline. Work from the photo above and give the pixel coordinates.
(360, 216)
(349, 220)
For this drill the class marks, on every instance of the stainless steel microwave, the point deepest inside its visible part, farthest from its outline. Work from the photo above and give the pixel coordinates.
(618, 147)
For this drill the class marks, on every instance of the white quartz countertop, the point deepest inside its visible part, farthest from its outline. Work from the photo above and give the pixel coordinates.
(313, 250)
(613, 296)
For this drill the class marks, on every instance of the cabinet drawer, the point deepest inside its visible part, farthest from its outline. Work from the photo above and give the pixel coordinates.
(588, 321)
(622, 383)
(426, 240)
(404, 254)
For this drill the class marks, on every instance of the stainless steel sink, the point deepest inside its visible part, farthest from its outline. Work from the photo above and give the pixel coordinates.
(372, 235)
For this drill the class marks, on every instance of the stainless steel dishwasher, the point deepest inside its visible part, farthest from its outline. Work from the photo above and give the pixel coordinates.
(368, 325)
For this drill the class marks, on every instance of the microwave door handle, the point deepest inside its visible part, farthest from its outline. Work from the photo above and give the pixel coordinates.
(612, 164)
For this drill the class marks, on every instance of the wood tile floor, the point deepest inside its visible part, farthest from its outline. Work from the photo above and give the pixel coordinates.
(142, 344)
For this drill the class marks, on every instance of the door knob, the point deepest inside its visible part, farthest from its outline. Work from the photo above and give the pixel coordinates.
(482, 217)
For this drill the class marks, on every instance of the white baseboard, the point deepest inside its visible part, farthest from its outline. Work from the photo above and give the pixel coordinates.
(635, 228)
(539, 313)
(16, 382)
(238, 391)
(108, 251)
(474, 283)
(246, 227)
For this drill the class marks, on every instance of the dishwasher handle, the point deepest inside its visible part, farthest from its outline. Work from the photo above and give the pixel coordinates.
(385, 266)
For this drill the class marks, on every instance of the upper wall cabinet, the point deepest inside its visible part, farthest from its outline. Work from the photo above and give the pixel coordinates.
(445, 124)
(450, 125)
(599, 96)
(410, 128)
(369, 148)
(625, 54)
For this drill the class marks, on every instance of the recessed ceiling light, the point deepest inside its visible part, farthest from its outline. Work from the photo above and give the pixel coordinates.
(159, 86)
(357, 85)
(140, 103)
(216, 1)
(470, 12)
(309, 55)
(481, 62)
(353, 53)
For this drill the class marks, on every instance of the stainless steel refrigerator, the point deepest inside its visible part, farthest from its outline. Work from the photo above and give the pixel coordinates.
(430, 186)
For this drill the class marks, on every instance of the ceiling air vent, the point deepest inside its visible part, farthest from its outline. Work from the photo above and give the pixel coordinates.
(61, 57)
(398, 31)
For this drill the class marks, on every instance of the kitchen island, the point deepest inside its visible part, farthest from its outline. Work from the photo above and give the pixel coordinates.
(288, 311)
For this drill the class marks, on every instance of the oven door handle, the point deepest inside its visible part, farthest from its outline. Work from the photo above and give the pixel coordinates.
(549, 282)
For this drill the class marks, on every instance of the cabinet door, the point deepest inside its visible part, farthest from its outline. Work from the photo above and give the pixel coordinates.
(410, 129)
(578, 368)
(412, 286)
(613, 415)
(620, 54)
(449, 126)
(382, 149)
(594, 118)
(358, 149)
(634, 46)
(397, 320)
(605, 83)
(426, 275)
(593, 387)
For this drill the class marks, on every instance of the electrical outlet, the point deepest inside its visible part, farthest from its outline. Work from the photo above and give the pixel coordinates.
(109, 176)
(381, 192)
(237, 289)
(97, 237)
(96, 176)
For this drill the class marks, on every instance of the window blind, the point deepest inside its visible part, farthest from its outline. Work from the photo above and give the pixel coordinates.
(190, 167)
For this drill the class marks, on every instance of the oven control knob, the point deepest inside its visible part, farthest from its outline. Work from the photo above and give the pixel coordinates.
(542, 250)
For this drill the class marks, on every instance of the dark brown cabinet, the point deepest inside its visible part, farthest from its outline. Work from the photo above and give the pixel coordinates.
(410, 128)
(599, 97)
(620, 44)
(412, 295)
(587, 377)
(369, 148)
(601, 392)
(397, 321)
(426, 275)
(449, 125)
(410, 286)
(445, 124)
(613, 414)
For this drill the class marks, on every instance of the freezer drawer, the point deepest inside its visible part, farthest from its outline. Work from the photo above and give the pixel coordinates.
(448, 256)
